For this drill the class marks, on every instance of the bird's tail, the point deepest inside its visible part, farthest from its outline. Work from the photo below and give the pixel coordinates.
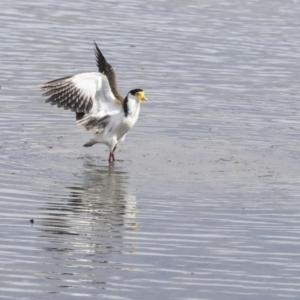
(90, 143)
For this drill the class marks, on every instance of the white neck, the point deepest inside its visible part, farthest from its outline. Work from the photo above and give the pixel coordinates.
(131, 106)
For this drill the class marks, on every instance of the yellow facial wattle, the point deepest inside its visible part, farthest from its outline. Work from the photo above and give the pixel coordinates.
(141, 96)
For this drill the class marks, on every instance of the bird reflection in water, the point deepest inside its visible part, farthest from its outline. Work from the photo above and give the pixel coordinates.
(95, 215)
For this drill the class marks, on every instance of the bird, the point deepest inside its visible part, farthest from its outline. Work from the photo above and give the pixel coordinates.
(97, 102)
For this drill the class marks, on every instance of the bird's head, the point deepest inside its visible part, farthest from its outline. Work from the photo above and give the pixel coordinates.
(139, 95)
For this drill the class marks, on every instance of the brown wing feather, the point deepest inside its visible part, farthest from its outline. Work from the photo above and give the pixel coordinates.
(63, 93)
(90, 122)
(105, 68)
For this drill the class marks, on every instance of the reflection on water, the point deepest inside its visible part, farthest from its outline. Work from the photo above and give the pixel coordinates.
(94, 215)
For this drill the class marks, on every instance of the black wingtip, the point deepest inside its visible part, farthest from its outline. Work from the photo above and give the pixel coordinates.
(98, 53)
(103, 66)
(96, 47)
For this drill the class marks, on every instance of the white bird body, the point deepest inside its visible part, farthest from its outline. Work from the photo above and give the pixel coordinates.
(97, 107)
(118, 125)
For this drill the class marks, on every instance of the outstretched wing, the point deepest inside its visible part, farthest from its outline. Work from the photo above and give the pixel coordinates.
(86, 93)
(105, 68)
(94, 122)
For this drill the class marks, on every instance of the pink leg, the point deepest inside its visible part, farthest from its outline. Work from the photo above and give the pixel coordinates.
(113, 153)
(113, 156)
(110, 159)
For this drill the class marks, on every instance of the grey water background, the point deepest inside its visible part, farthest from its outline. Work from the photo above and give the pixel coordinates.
(203, 201)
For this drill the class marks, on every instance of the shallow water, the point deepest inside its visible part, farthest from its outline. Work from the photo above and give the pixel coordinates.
(203, 201)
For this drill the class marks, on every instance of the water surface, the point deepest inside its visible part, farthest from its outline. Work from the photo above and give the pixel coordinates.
(203, 201)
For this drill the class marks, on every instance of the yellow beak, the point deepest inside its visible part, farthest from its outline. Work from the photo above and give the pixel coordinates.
(142, 97)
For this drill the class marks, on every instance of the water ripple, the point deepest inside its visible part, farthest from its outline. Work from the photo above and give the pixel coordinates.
(203, 200)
